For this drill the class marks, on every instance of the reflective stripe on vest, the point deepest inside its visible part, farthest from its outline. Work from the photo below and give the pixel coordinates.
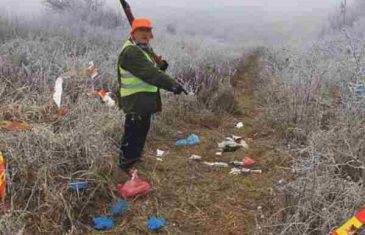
(131, 84)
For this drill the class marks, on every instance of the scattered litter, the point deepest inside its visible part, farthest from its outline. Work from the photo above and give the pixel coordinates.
(238, 171)
(219, 153)
(14, 126)
(244, 144)
(133, 187)
(105, 97)
(247, 161)
(195, 157)
(92, 70)
(236, 138)
(239, 125)
(2, 180)
(233, 144)
(353, 225)
(235, 171)
(156, 223)
(228, 148)
(57, 95)
(216, 164)
(237, 163)
(178, 133)
(359, 89)
(191, 140)
(260, 212)
(119, 208)
(78, 186)
(102, 223)
(221, 145)
(160, 153)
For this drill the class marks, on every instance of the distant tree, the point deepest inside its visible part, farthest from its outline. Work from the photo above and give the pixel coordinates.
(92, 11)
(347, 14)
(59, 5)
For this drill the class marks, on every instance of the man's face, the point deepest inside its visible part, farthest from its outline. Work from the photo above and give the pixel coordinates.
(142, 35)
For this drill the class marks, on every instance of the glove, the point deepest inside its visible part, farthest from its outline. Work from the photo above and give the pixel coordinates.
(178, 89)
(163, 65)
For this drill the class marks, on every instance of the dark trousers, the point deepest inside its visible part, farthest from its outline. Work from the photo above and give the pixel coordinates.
(135, 133)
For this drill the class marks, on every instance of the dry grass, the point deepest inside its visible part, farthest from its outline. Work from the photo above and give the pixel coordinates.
(311, 103)
(83, 145)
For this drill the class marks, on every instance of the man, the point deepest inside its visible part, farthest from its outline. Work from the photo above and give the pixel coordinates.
(140, 76)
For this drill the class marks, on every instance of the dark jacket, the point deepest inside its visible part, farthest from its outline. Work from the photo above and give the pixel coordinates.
(133, 60)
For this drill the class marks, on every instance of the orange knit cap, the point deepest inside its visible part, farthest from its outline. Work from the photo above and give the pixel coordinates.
(141, 23)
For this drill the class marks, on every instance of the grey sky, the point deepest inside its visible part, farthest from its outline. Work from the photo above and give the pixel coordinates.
(272, 7)
(252, 18)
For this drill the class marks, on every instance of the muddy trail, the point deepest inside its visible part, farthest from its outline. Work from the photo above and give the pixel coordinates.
(199, 199)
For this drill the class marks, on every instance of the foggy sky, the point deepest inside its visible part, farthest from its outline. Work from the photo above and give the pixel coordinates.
(270, 7)
(254, 17)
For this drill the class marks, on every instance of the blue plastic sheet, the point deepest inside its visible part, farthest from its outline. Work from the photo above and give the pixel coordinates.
(103, 223)
(75, 186)
(156, 223)
(191, 140)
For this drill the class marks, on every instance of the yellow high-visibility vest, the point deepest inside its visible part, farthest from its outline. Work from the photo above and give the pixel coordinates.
(131, 84)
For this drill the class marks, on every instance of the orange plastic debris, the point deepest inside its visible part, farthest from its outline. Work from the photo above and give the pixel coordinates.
(102, 93)
(14, 126)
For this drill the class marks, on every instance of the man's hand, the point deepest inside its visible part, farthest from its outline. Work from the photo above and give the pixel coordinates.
(179, 89)
(163, 65)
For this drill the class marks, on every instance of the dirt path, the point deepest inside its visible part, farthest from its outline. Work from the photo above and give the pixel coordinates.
(198, 199)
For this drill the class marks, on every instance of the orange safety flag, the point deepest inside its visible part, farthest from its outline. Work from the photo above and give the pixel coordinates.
(14, 126)
(352, 225)
(102, 93)
(2, 179)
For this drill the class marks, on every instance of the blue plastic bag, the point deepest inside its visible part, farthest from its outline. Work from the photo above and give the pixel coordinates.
(119, 208)
(359, 89)
(78, 186)
(102, 223)
(156, 223)
(191, 140)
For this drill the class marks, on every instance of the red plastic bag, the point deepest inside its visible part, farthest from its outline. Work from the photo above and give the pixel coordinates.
(133, 187)
(247, 161)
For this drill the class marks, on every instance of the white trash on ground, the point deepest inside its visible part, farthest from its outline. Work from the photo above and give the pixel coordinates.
(57, 96)
(195, 157)
(216, 164)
